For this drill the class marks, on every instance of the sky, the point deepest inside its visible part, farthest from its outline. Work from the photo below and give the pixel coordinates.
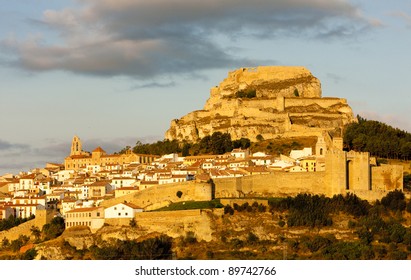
(114, 72)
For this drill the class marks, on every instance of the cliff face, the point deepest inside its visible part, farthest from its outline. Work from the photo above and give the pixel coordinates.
(270, 101)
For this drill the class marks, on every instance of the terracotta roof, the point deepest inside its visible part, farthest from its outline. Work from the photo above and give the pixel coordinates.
(99, 150)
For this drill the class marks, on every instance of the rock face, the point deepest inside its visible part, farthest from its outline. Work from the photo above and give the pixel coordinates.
(270, 101)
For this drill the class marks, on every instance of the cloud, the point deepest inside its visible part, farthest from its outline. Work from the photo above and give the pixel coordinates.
(154, 85)
(18, 157)
(334, 77)
(142, 39)
(403, 16)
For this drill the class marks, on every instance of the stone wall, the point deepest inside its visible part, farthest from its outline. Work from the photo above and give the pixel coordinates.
(387, 178)
(162, 195)
(42, 217)
(275, 184)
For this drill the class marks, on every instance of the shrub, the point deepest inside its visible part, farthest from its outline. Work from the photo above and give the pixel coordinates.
(394, 201)
(179, 194)
(247, 93)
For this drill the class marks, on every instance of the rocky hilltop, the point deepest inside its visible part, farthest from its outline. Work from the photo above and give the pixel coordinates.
(271, 101)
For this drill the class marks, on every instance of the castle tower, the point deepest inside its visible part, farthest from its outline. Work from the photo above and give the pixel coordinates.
(76, 147)
(320, 147)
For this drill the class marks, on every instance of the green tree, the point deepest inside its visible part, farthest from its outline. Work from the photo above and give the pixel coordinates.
(35, 231)
(53, 229)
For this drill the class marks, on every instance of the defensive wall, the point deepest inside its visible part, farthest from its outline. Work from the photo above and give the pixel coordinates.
(344, 173)
(268, 185)
(162, 195)
(42, 217)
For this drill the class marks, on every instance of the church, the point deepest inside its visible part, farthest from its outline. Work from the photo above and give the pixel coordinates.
(79, 159)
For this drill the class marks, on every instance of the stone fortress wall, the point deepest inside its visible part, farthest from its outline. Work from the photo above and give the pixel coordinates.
(345, 172)
(42, 217)
(162, 195)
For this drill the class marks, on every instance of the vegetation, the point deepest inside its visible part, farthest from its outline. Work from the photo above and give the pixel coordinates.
(13, 222)
(378, 138)
(53, 229)
(247, 93)
(188, 205)
(158, 248)
(158, 148)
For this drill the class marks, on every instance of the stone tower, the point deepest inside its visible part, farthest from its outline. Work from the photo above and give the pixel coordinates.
(76, 148)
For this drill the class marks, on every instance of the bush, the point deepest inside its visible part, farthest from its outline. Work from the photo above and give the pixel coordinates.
(228, 210)
(179, 194)
(394, 201)
(248, 93)
(53, 229)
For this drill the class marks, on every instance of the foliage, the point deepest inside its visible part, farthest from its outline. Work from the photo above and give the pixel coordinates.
(35, 231)
(186, 205)
(378, 138)
(158, 248)
(133, 223)
(245, 207)
(217, 143)
(29, 254)
(12, 221)
(228, 210)
(242, 143)
(394, 201)
(260, 138)
(53, 229)
(179, 194)
(157, 148)
(407, 181)
(314, 211)
(247, 93)
(15, 245)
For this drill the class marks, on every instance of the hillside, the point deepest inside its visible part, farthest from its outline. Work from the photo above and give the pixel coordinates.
(270, 101)
(378, 138)
(304, 227)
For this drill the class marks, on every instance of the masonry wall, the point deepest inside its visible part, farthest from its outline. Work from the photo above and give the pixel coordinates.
(275, 184)
(162, 195)
(42, 217)
(387, 178)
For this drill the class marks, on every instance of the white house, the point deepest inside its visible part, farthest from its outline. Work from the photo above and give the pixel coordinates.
(240, 153)
(297, 154)
(122, 210)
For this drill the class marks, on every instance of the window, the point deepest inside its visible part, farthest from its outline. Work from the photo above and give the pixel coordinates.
(98, 214)
(119, 214)
(126, 214)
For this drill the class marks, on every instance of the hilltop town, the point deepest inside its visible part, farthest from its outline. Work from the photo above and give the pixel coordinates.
(96, 189)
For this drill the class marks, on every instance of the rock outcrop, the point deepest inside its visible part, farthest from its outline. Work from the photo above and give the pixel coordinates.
(270, 101)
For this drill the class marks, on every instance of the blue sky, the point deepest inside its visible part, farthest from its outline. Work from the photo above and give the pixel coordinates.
(117, 71)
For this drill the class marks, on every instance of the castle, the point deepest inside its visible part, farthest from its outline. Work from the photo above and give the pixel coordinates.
(271, 101)
(339, 172)
(79, 159)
